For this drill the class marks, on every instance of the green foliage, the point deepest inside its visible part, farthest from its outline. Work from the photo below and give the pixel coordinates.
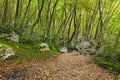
(110, 59)
(67, 17)
(6, 28)
(25, 52)
(53, 41)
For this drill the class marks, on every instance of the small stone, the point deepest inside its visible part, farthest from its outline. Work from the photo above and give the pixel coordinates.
(63, 50)
(14, 37)
(44, 47)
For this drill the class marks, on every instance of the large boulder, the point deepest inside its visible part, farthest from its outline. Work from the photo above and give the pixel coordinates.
(44, 47)
(83, 45)
(75, 42)
(6, 52)
(14, 37)
(63, 50)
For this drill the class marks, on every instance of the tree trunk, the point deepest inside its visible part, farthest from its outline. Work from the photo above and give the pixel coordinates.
(5, 12)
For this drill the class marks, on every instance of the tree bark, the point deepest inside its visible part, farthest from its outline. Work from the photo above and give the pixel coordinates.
(5, 12)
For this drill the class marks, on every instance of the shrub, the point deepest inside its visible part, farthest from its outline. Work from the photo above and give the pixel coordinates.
(110, 58)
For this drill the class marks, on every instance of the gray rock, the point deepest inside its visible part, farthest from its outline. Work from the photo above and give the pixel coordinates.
(63, 50)
(75, 52)
(14, 37)
(81, 38)
(75, 42)
(6, 52)
(72, 45)
(83, 45)
(92, 50)
(44, 47)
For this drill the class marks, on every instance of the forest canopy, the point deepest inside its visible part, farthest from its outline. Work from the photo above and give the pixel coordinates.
(66, 18)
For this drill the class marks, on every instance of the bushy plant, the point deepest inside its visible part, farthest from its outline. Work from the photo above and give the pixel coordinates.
(53, 41)
(110, 58)
(5, 28)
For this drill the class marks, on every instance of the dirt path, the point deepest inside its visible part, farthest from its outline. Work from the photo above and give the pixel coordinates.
(65, 67)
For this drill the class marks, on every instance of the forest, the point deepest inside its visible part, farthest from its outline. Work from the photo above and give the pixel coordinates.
(59, 40)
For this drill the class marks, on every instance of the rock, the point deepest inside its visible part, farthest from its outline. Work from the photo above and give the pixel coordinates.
(75, 52)
(99, 51)
(44, 47)
(74, 42)
(14, 37)
(72, 46)
(6, 52)
(92, 50)
(62, 41)
(80, 39)
(85, 52)
(83, 45)
(63, 50)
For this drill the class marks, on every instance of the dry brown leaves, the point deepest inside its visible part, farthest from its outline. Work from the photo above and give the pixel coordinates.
(62, 67)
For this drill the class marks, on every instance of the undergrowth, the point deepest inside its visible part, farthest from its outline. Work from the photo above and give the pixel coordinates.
(27, 52)
(110, 59)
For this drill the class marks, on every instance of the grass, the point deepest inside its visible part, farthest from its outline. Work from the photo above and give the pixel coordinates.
(112, 66)
(24, 51)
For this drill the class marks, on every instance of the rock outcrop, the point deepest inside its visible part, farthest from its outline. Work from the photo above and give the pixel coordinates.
(83, 46)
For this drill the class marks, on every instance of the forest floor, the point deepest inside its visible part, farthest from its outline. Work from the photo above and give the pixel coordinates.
(60, 67)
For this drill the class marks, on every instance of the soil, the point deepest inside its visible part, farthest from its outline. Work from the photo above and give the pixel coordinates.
(67, 66)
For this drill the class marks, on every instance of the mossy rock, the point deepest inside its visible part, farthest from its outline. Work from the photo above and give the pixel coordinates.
(5, 51)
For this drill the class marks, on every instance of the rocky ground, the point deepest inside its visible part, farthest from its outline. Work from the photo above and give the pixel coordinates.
(61, 67)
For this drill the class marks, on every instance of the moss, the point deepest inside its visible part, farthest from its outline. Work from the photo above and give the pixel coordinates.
(2, 46)
(26, 51)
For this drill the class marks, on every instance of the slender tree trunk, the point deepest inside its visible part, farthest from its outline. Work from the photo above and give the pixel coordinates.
(75, 26)
(48, 12)
(51, 17)
(27, 8)
(39, 14)
(69, 29)
(25, 14)
(17, 12)
(39, 17)
(5, 12)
